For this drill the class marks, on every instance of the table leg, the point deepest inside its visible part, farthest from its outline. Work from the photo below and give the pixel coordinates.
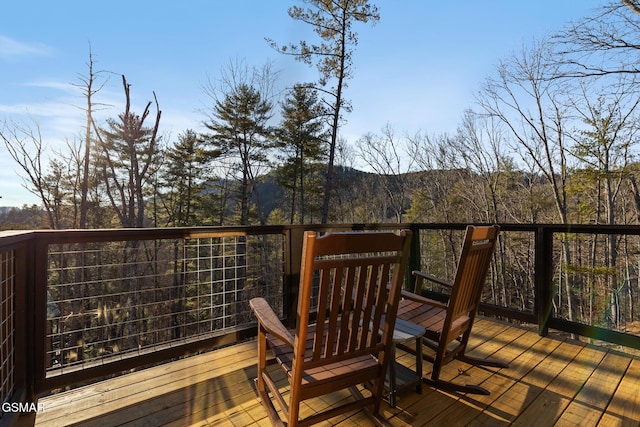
(419, 364)
(392, 375)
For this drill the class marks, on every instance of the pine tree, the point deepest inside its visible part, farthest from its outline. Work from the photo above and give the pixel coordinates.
(239, 131)
(183, 176)
(332, 21)
(301, 138)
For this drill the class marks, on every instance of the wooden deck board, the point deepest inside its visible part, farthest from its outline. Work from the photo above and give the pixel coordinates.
(550, 381)
(170, 382)
(624, 407)
(469, 407)
(552, 403)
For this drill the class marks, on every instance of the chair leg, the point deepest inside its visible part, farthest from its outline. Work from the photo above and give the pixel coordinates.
(372, 412)
(263, 382)
(419, 364)
(272, 413)
(377, 419)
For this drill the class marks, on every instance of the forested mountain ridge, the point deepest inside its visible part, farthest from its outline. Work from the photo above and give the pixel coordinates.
(457, 195)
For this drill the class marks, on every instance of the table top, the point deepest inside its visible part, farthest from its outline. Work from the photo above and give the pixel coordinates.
(406, 330)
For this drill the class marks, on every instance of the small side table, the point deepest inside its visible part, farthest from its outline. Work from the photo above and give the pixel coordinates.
(399, 376)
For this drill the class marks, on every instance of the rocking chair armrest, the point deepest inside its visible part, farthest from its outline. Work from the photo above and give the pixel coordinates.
(419, 298)
(269, 320)
(420, 276)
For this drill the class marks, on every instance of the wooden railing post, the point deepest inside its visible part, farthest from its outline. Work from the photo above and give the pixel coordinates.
(38, 279)
(543, 278)
(292, 274)
(414, 255)
(18, 386)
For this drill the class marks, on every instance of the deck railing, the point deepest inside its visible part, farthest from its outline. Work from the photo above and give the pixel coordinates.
(83, 304)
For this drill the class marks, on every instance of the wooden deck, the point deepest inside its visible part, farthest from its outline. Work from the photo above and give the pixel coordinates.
(550, 381)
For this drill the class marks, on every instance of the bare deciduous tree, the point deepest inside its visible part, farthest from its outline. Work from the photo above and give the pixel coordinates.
(528, 99)
(26, 147)
(391, 161)
(90, 86)
(604, 44)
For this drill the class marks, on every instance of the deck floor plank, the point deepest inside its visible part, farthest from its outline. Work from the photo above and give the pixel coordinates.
(550, 381)
(571, 372)
(514, 343)
(141, 388)
(624, 407)
(589, 404)
(515, 393)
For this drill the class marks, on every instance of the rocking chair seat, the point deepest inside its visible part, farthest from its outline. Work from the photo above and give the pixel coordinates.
(339, 374)
(431, 315)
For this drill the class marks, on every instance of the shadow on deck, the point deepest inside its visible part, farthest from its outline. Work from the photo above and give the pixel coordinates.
(550, 381)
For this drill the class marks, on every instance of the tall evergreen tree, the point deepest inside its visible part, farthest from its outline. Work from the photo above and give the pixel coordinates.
(239, 131)
(302, 139)
(183, 176)
(332, 21)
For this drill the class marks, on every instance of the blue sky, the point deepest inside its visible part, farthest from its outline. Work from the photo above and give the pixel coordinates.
(418, 69)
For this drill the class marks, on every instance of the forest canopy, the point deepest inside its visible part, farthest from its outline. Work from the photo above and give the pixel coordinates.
(552, 138)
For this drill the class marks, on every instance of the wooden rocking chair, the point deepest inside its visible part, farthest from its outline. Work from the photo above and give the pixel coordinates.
(451, 322)
(350, 285)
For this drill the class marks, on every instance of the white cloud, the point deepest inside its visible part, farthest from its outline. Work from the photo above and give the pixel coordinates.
(60, 86)
(43, 109)
(11, 49)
